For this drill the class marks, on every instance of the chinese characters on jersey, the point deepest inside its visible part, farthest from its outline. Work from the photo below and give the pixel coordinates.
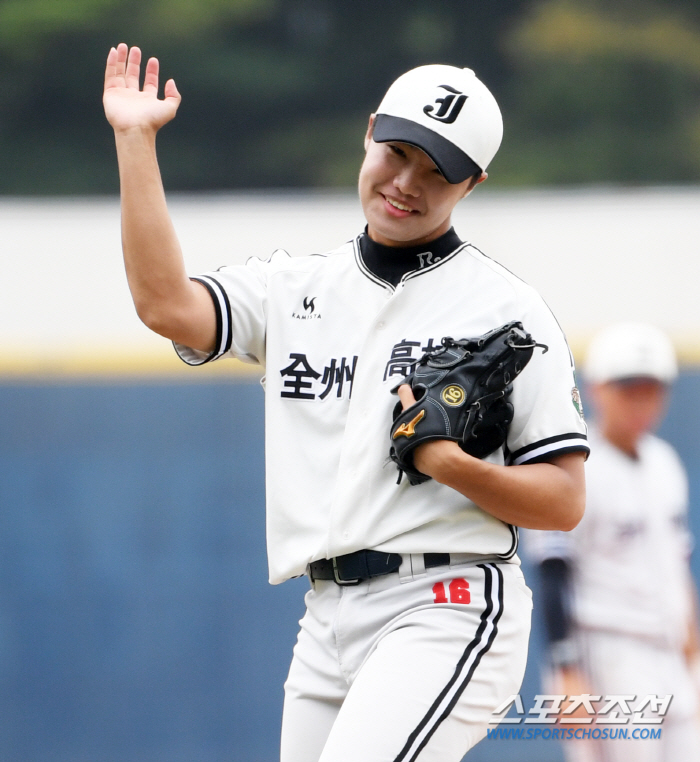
(301, 381)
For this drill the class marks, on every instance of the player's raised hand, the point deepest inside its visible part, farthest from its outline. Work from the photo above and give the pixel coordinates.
(126, 105)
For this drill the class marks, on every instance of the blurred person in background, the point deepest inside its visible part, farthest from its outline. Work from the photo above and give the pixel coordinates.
(619, 601)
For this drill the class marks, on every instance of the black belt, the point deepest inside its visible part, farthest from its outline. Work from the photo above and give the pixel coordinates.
(353, 568)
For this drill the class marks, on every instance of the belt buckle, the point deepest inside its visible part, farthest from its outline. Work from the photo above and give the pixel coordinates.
(343, 582)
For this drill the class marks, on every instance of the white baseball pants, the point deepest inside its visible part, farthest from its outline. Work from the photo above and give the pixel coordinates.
(405, 667)
(619, 664)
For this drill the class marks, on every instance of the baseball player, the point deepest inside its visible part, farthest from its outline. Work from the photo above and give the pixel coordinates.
(417, 617)
(619, 599)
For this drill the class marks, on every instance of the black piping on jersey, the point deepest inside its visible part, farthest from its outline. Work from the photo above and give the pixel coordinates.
(514, 544)
(364, 269)
(546, 449)
(384, 283)
(486, 256)
(435, 265)
(222, 309)
(483, 640)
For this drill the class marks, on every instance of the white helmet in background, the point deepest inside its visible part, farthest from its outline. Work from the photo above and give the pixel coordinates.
(630, 350)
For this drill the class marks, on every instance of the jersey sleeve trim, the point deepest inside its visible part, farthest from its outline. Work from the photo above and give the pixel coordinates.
(222, 308)
(515, 537)
(546, 449)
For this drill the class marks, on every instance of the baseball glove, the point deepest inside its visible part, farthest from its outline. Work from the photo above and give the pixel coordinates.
(462, 391)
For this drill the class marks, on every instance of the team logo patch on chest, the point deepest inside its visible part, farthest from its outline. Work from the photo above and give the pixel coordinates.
(308, 310)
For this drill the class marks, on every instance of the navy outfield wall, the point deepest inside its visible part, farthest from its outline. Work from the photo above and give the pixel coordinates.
(136, 622)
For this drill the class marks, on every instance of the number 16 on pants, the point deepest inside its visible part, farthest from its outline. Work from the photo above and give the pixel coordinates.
(457, 590)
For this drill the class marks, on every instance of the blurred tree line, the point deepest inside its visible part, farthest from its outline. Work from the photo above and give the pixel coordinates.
(276, 93)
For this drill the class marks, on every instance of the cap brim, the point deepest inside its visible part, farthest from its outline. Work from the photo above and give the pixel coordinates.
(454, 164)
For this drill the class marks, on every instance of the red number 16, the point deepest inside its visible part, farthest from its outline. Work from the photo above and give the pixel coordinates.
(459, 592)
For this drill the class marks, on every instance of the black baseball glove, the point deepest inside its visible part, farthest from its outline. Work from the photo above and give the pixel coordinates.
(462, 392)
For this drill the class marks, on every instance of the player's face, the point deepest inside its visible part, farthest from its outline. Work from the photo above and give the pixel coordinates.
(629, 409)
(405, 198)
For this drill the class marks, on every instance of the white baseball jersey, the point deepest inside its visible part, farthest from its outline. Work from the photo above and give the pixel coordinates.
(631, 593)
(633, 533)
(334, 339)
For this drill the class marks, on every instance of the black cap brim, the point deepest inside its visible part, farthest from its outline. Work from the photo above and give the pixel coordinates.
(454, 164)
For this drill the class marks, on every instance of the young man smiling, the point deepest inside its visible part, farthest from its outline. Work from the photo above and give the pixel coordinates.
(418, 616)
(407, 201)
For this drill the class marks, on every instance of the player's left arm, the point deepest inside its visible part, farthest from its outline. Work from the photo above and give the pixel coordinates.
(533, 495)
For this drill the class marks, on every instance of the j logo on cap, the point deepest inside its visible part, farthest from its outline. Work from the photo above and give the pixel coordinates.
(449, 107)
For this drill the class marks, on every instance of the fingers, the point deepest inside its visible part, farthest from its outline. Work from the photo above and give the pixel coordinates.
(124, 69)
(126, 104)
(150, 80)
(114, 71)
(171, 91)
(122, 54)
(406, 396)
(124, 66)
(133, 67)
(117, 66)
(111, 67)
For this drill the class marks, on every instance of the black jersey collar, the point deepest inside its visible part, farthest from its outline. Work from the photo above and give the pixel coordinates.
(391, 263)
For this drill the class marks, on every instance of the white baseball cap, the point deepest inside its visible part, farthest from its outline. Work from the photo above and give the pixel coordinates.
(630, 350)
(446, 112)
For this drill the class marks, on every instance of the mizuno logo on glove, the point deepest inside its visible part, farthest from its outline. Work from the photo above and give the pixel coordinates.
(409, 429)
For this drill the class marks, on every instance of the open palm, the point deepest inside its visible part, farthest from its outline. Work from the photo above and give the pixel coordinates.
(126, 105)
